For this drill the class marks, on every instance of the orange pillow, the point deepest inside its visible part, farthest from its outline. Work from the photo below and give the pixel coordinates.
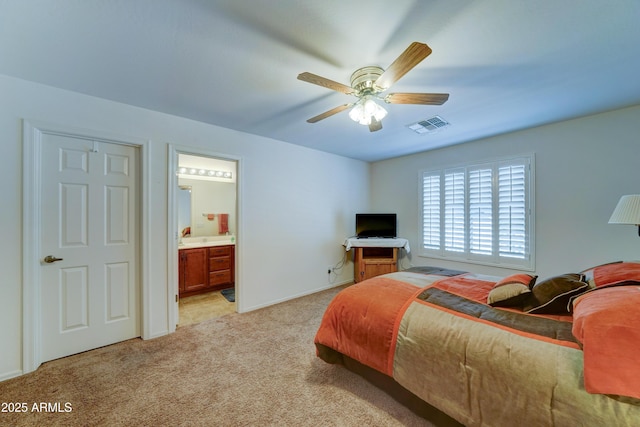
(605, 322)
(613, 273)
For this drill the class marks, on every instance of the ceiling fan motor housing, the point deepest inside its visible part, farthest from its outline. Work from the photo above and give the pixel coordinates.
(363, 79)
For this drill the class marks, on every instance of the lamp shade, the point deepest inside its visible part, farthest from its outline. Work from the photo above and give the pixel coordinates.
(627, 211)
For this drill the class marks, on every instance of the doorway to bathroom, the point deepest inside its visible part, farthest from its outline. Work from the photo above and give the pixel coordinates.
(205, 199)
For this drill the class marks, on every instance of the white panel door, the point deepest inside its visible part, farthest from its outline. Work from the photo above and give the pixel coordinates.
(89, 241)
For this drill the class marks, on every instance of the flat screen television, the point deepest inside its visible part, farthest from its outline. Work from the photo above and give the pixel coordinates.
(381, 225)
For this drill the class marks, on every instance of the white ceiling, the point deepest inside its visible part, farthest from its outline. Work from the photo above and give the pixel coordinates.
(508, 64)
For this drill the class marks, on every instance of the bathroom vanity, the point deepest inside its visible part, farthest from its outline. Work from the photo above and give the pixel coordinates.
(205, 266)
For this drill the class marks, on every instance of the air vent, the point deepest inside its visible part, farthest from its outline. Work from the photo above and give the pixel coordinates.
(429, 125)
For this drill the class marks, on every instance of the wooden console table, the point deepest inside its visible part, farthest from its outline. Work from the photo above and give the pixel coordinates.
(373, 257)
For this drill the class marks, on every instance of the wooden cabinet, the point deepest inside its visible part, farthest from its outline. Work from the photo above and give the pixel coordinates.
(205, 269)
(372, 261)
(193, 272)
(221, 267)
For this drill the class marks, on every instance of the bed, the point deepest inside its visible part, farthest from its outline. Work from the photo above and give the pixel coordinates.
(468, 349)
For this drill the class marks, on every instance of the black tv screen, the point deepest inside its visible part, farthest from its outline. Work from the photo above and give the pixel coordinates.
(375, 225)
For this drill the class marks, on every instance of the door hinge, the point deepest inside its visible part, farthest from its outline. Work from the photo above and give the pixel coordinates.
(176, 297)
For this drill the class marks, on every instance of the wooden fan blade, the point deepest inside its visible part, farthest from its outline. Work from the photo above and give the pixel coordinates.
(417, 98)
(408, 59)
(321, 81)
(374, 125)
(329, 113)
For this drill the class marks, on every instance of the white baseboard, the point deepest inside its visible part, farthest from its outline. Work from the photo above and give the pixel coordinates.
(303, 294)
(11, 374)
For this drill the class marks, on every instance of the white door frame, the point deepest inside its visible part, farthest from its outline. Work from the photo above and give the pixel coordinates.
(31, 213)
(172, 224)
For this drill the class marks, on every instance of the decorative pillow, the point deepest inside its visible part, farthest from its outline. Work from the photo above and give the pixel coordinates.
(612, 273)
(552, 296)
(512, 291)
(573, 298)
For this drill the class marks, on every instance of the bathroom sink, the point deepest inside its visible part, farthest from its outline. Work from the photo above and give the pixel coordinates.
(204, 241)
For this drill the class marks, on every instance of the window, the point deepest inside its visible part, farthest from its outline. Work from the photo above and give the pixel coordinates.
(480, 213)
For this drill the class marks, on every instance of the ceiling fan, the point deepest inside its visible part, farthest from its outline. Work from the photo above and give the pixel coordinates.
(368, 83)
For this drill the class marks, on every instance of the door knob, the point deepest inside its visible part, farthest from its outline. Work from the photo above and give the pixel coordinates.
(50, 258)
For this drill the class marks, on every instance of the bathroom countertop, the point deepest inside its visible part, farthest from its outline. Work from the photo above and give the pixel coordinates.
(203, 242)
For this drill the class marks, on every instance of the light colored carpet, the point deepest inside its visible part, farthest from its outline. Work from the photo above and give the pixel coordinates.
(252, 369)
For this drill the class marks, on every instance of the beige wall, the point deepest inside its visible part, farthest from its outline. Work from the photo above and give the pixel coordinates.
(583, 166)
(307, 217)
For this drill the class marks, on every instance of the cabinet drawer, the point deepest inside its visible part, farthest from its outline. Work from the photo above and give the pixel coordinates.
(219, 251)
(221, 263)
(219, 277)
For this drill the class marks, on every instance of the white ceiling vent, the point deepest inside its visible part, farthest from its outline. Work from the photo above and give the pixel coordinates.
(429, 125)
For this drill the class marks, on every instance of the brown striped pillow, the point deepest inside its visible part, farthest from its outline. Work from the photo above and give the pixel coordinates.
(552, 296)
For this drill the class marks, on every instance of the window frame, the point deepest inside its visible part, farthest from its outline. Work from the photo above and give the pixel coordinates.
(495, 259)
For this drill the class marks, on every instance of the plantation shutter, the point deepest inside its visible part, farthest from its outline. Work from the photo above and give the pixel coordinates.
(454, 211)
(480, 211)
(431, 211)
(512, 211)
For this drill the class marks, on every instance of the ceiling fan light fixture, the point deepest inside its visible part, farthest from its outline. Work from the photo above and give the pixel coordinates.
(366, 109)
(367, 83)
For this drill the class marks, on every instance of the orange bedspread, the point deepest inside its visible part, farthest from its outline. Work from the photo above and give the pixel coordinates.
(367, 333)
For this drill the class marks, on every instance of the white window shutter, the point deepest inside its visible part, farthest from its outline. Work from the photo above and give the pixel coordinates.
(454, 211)
(480, 211)
(431, 211)
(512, 211)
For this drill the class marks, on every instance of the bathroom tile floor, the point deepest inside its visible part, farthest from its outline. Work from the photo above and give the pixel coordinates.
(195, 309)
